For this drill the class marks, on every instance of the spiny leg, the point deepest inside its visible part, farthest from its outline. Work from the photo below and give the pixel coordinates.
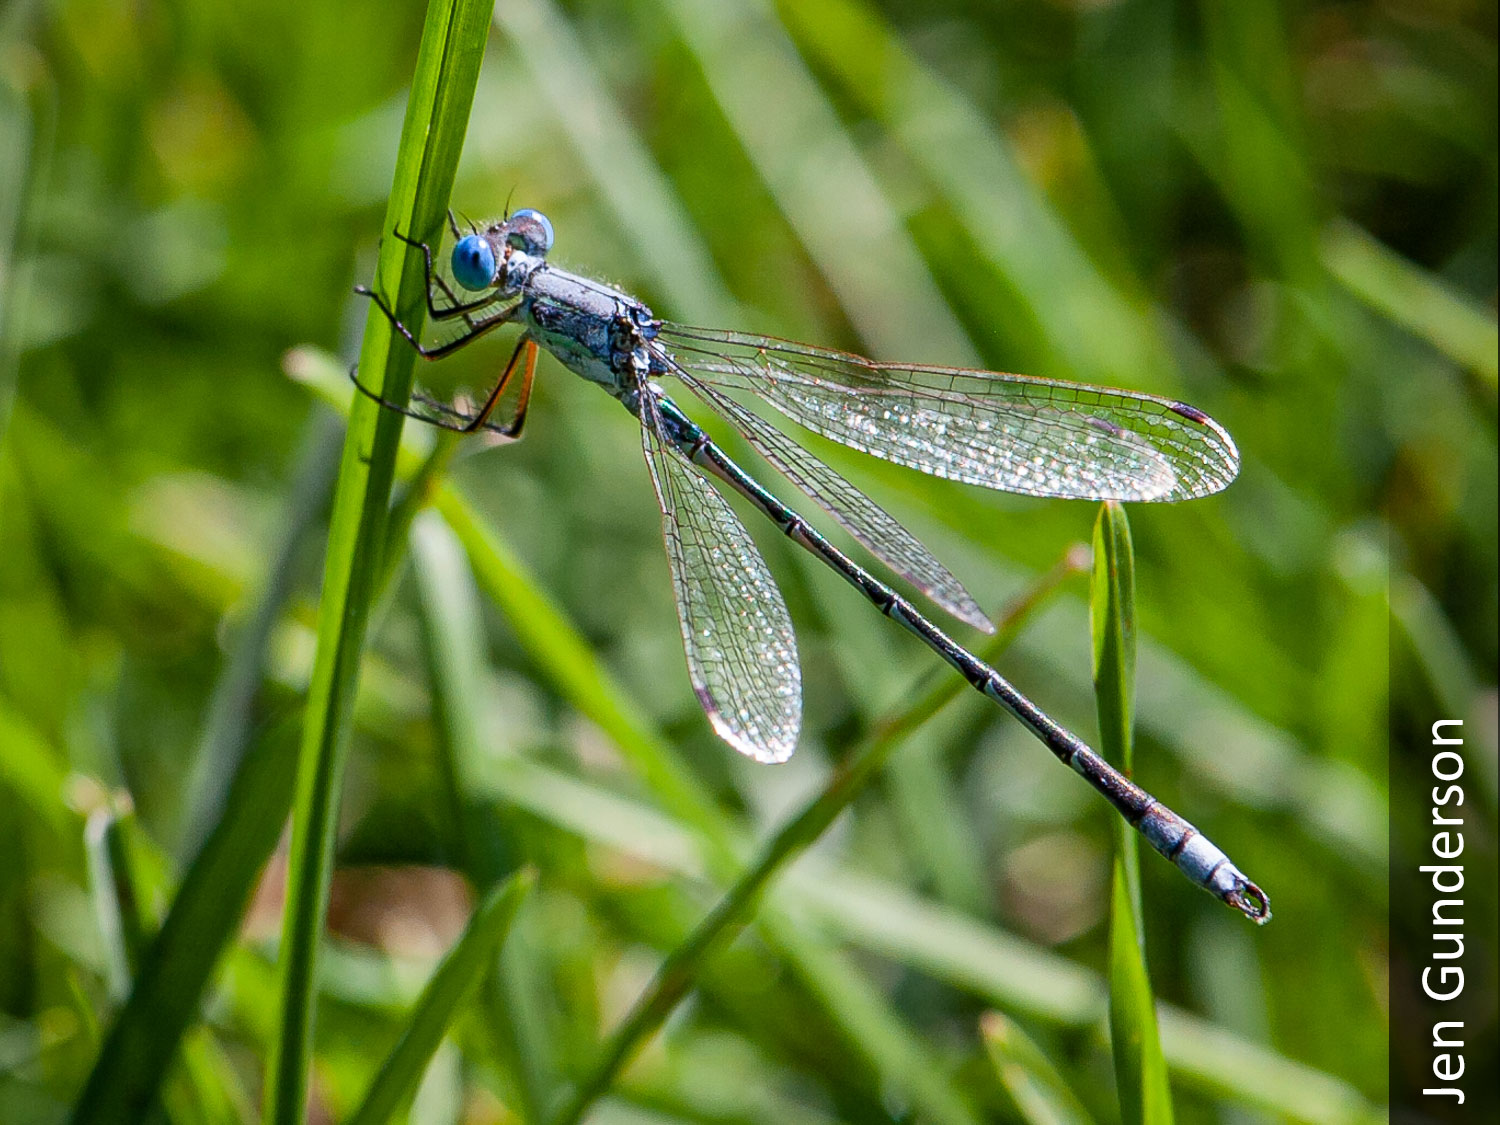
(511, 429)
(438, 280)
(456, 420)
(477, 327)
(399, 408)
(481, 420)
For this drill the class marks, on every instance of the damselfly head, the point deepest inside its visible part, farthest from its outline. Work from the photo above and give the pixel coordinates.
(504, 253)
(474, 265)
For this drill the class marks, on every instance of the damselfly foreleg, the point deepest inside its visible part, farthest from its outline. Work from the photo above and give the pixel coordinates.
(441, 414)
(478, 326)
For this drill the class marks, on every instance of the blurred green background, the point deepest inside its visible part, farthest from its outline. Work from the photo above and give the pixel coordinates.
(1285, 215)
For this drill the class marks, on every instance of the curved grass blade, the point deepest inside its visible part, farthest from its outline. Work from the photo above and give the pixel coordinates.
(397, 1076)
(1140, 1069)
(437, 115)
(1422, 303)
(175, 967)
(236, 809)
(1038, 1093)
(453, 637)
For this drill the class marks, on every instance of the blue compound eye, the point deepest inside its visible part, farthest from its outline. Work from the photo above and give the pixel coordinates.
(474, 263)
(530, 231)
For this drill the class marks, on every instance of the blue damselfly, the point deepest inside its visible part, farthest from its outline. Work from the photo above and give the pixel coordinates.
(1040, 437)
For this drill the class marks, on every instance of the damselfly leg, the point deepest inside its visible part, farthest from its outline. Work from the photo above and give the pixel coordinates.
(463, 421)
(478, 326)
(441, 414)
(457, 308)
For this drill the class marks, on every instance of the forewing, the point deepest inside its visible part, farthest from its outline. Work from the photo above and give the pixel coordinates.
(866, 520)
(1040, 437)
(741, 652)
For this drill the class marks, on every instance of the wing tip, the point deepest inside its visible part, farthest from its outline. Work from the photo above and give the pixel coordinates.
(768, 752)
(1227, 467)
(969, 612)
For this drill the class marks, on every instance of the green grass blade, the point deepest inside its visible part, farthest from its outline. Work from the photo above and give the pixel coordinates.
(1460, 328)
(1226, 1065)
(232, 826)
(1140, 1069)
(473, 956)
(129, 875)
(897, 1055)
(454, 642)
(112, 894)
(28, 120)
(835, 204)
(453, 636)
(1038, 1093)
(939, 830)
(1112, 630)
(32, 776)
(229, 722)
(437, 115)
(205, 914)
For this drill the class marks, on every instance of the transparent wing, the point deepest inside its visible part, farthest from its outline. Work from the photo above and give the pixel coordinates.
(1040, 437)
(741, 653)
(866, 520)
